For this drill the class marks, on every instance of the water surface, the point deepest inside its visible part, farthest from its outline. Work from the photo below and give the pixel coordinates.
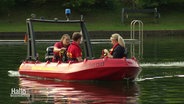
(160, 82)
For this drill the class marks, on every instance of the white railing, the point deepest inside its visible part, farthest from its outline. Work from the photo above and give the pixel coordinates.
(139, 39)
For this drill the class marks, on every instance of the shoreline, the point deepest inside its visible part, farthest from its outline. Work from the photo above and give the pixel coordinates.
(93, 34)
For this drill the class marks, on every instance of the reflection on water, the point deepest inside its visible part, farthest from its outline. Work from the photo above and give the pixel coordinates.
(79, 92)
(155, 86)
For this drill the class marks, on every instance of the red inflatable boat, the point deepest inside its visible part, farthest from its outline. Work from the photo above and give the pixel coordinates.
(89, 69)
(97, 69)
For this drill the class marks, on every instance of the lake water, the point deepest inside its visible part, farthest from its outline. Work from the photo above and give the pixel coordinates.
(160, 82)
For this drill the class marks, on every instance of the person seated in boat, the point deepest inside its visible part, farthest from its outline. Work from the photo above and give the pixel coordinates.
(60, 49)
(74, 52)
(118, 50)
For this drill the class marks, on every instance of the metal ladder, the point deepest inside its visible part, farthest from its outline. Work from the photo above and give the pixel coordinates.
(140, 38)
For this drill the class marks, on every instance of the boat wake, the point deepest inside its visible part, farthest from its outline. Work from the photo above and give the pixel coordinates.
(159, 77)
(165, 64)
(12, 73)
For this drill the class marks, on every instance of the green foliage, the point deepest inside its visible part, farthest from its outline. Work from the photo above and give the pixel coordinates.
(150, 3)
(78, 3)
(155, 3)
(107, 4)
(81, 6)
(84, 6)
(5, 5)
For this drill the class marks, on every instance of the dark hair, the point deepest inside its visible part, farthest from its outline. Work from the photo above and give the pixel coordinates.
(76, 36)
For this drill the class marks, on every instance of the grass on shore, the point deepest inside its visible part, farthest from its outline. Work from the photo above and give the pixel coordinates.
(96, 21)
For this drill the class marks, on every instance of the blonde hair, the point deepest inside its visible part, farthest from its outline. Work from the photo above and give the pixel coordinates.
(120, 40)
(64, 36)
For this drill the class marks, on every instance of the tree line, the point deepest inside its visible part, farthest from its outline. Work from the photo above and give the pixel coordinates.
(87, 5)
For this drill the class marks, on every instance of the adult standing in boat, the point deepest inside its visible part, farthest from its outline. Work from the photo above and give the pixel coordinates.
(74, 52)
(60, 48)
(118, 50)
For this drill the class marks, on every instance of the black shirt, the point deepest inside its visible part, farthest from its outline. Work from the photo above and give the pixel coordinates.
(119, 52)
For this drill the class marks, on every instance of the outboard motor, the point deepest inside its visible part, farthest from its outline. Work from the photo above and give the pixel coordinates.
(49, 53)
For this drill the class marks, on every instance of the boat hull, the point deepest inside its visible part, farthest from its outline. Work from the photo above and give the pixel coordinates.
(97, 69)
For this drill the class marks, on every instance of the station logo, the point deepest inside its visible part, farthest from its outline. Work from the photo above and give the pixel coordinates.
(19, 92)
